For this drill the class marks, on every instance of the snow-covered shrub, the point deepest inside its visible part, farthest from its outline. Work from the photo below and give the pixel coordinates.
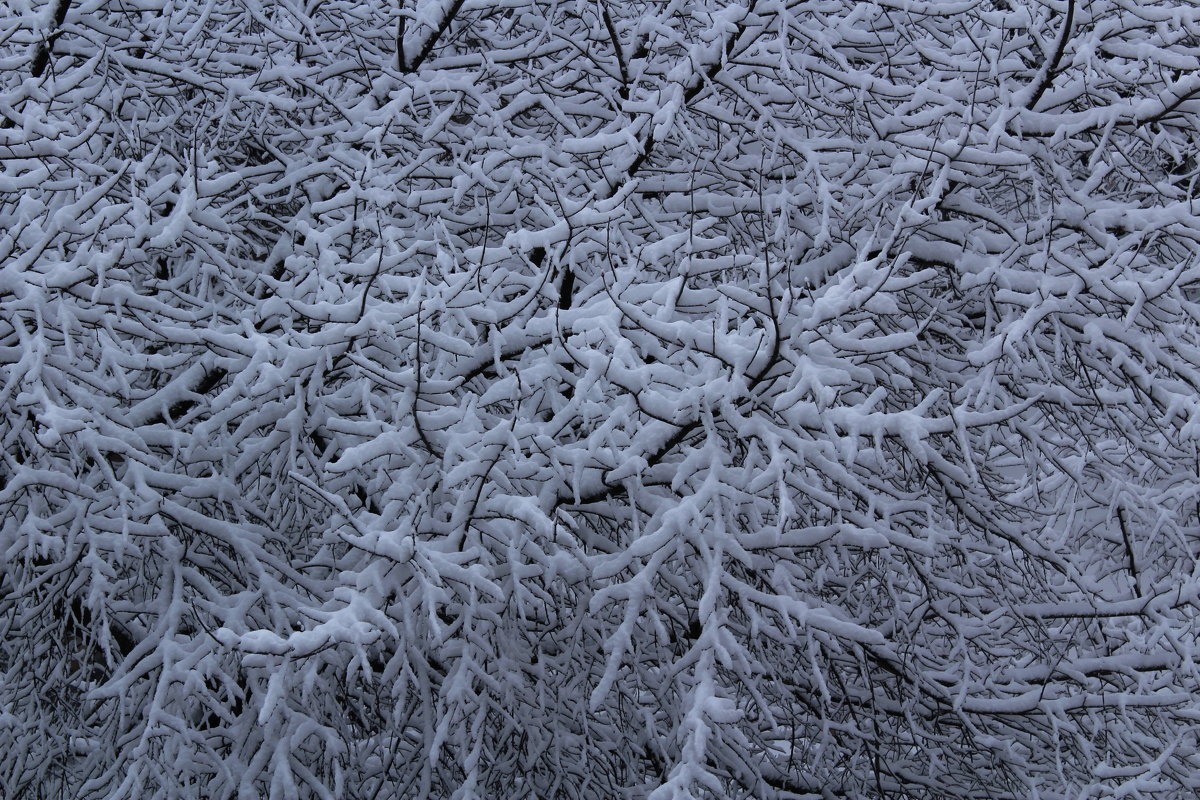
(600, 399)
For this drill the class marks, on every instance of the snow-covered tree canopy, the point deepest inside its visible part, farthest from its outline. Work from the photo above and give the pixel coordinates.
(600, 399)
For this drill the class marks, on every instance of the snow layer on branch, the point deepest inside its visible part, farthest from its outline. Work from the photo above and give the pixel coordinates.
(599, 400)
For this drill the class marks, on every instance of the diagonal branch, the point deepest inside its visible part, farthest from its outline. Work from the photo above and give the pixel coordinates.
(426, 47)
